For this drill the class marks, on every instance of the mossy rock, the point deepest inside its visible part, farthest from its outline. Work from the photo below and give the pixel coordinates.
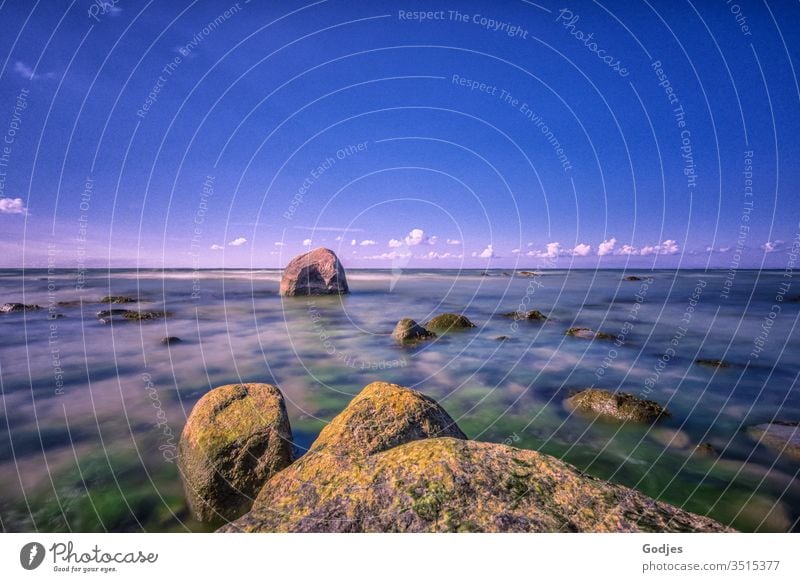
(452, 485)
(586, 333)
(533, 315)
(407, 331)
(17, 308)
(778, 435)
(383, 416)
(235, 439)
(448, 322)
(118, 299)
(117, 315)
(619, 406)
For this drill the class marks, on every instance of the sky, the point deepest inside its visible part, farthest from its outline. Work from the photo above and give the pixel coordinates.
(506, 134)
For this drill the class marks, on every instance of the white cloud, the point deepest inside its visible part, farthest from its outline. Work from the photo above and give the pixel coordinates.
(353, 243)
(27, 73)
(628, 250)
(307, 242)
(606, 247)
(394, 243)
(514, 251)
(237, 242)
(772, 246)
(487, 253)
(278, 244)
(453, 241)
(667, 247)
(12, 206)
(582, 250)
(416, 237)
(338, 238)
(217, 247)
(368, 243)
(553, 250)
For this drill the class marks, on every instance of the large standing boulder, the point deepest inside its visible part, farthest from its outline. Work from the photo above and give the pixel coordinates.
(236, 438)
(316, 272)
(394, 461)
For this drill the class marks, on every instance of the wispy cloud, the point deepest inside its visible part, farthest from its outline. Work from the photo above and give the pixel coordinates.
(26, 72)
(772, 246)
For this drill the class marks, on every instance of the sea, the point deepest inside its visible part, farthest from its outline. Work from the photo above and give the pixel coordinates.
(91, 413)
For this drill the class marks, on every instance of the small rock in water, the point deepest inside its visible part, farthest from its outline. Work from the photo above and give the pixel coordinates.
(449, 321)
(533, 315)
(116, 315)
(171, 340)
(712, 363)
(632, 278)
(117, 299)
(17, 308)
(586, 333)
(408, 331)
(502, 338)
(316, 272)
(616, 406)
(778, 435)
(705, 450)
(527, 273)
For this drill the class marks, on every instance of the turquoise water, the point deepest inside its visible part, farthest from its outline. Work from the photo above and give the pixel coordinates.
(93, 449)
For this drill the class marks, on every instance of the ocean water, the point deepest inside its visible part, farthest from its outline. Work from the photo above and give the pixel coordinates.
(91, 413)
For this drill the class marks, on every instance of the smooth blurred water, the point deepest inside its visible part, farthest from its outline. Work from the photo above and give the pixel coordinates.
(97, 454)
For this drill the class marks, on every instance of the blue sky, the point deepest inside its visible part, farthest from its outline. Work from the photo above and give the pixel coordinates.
(488, 134)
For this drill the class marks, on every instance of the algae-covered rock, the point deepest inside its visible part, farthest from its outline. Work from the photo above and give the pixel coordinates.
(533, 315)
(586, 333)
(236, 438)
(408, 331)
(449, 321)
(316, 272)
(117, 299)
(383, 416)
(778, 435)
(452, 485)
(616, 405)
(117, 315)
(18, 308)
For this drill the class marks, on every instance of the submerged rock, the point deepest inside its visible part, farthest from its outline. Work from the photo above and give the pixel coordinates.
(533, 315)
(705, 450)
(408, 331)
(778, 435)
(632, 278)
(586, 333)
(527, 273)
(358, 478)
(449, 321)
(171, 340)
(117, 299)
(117, 315)
(316, 272)
(70, 303)
(17, 308)
(619, 406)
(236, 438)
(712, 363)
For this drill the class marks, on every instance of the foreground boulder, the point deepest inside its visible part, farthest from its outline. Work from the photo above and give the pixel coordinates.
(449, 321)
(236, 438)
(383, 416)
(616, 406)
(408, 331)
(316, 272)
(17, 308)
(778, 435)
(394, 461)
